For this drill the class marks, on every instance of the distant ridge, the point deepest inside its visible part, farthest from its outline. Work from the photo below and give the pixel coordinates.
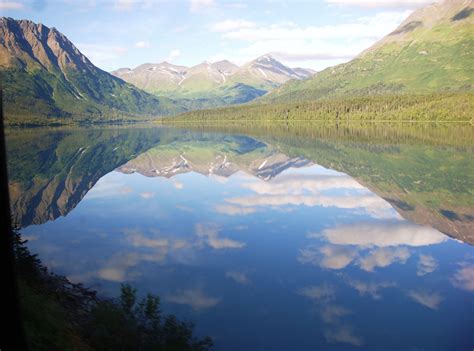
(217, 83)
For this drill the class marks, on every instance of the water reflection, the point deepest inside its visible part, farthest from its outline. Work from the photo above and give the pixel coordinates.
(252, 238)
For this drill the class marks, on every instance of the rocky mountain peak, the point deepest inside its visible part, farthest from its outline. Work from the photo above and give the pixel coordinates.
(267, 59)
(29, 44)
(225, 67)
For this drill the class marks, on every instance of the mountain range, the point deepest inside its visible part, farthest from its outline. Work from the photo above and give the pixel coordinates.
(432, 50)
(44, 73)
(213, 84)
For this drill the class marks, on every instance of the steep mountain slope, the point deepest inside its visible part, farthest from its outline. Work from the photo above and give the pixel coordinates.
(44, 73)
(432, 50)
(212, 84)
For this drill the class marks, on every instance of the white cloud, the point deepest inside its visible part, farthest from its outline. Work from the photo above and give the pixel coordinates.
(124, 5)
(209, 233)
(173, 55)
(107, 187)
(426, 264)
(180, 29)
(382, 3)
(316, 54)
(102, 55)
(195, 298)
(464, 277)
(295, 189)
(383, 257)
(374, 205)
(112, 274)
(303, 183)
(332, 313)
(138, 239)
(236, 5)
(180, 244)
(185, 208)
(343, 334)
(315, 44)
(361, 28)
(370, 288)
(177, 184)
(430, 300)
(337, 257)
(142, 44)
(371, 245)
(231, 24)
(147, 195)
(383, 234)
(116, 267)
(333, 257)
(239, 277)
(127, 5)
(232, 210)
(31, 237)
(11, 5)
(200, 5)
(318, 292)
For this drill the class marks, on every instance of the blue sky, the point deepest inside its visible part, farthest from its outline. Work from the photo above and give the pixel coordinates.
(127, 33)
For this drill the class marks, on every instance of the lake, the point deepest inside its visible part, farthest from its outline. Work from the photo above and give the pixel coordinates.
(267, 237)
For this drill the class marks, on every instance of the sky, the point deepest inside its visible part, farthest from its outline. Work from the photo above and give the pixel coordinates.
(127, 33)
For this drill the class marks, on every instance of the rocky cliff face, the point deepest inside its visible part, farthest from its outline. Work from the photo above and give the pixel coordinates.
(29, 45)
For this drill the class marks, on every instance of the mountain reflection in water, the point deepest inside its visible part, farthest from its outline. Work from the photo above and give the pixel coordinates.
(281, 241)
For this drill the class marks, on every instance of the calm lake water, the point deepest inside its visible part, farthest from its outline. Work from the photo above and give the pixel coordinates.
(318, 237)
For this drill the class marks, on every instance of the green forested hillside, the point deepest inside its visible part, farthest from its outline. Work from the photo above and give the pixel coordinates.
(422, 107)
(432, 50)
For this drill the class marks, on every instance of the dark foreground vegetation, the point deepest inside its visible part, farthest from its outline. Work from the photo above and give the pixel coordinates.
(427, 107)
(61, 315)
